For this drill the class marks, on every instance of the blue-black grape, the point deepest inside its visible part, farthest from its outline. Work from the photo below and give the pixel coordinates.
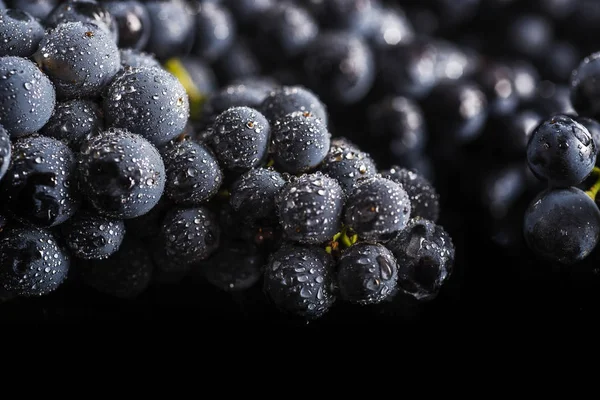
(585, 94)
(497, 80)
(425, 256)
(347, 164)
(593, 128)
(73, 121)
(40, 183)
(93, 237)
(215, 31)
(27, 96)
(132, 21)
(234, 95)
(526, 79)
(300, 281)
(377, 209)
(288, 99)
(310, 208)
(284, 31)
(562, 225)
(240, 138)
(32, 263)
(387, 26)
(121, 174)
(340, 67)
(193, 175)
(560, 61)
(408, 69)
(530, 34)
(253, 194)
(399, 121)
(456, 110)
(300, 142)
(190, 235)
(150, 102)
(367, 273)
(342, 14)
(20, 33)
(171, 28)
(79, 57)
(83, 11)
(561, 151)
(424, 199)
(238, 62)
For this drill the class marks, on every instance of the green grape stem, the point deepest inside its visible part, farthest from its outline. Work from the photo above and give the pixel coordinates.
(593, 191)
(341, 240)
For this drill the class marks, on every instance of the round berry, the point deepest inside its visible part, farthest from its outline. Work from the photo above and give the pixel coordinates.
(73, 121)
(148, 101)
(240, 138)
(234, 95)
(424, 199)
(340, 67)
(593, 128)
(93, 237)
(497, 81)
(31, 262)
(530, 34)
(387, 27)
(80, 59)
(27, 96)
(300, 142)
(457, 110)
(408, 69)
(585, 93)
(20, 33)
(215, 31)
(342, 14)
(83, 11)
(561, 151)
(562, 225)
(284, 31)
(171, 28)
(253, 194)
(133, 22)
(289, 99)
(425, 256)
(190, 235)
(347, 164)
(400, 122)
(193, 174)
(121, 174)
(377, 209)
(366, 273)
(39, 186)
(240, 62)
(310, 208)
(246, 11)
(299, 281)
